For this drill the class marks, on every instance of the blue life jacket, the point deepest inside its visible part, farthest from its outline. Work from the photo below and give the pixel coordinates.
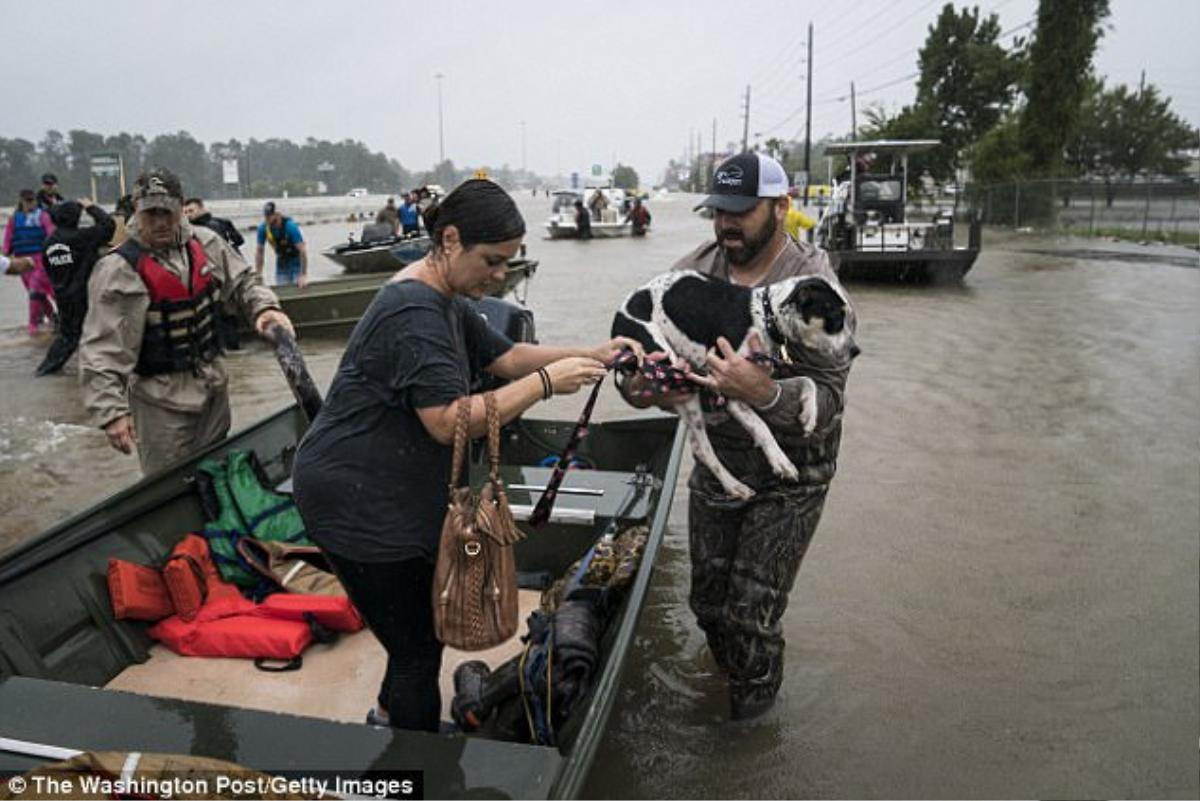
(28, 235)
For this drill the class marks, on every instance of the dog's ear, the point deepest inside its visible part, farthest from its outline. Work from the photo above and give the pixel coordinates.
(816, 298)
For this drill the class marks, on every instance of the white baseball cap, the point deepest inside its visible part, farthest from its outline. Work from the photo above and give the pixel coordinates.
(739, 181)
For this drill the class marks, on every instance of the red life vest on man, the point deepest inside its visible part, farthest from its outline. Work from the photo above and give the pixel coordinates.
(181, 324)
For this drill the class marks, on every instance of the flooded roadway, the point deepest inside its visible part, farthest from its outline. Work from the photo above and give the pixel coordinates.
(1003, 597)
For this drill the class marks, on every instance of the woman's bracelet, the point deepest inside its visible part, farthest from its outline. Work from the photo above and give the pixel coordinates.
(769, 405)
(547, 386)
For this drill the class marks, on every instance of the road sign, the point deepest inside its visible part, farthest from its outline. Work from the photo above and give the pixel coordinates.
(229, 171)
(105, 165)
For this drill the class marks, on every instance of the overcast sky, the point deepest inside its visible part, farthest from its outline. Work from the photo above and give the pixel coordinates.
(576, 83)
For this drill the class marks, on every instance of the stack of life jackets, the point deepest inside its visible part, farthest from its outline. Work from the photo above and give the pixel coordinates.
(197, 613)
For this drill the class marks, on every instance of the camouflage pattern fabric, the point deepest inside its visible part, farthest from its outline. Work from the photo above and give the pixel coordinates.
(745, 556)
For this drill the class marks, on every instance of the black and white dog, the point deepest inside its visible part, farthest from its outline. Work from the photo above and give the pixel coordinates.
(682, 314)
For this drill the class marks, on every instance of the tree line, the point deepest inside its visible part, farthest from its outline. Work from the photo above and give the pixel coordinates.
(265, 168)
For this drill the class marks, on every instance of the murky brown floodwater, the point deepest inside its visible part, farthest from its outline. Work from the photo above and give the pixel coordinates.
(1003, 599)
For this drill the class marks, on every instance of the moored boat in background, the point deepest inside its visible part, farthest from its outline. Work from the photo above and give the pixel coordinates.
(866, 229)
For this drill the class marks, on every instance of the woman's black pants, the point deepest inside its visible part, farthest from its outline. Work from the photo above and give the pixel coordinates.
(394, 598)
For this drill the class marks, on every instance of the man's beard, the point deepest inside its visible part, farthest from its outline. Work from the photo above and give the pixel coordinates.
(751, 246)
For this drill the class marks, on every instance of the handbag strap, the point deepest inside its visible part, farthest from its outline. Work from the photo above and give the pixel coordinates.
(461, 423)
(492, 408)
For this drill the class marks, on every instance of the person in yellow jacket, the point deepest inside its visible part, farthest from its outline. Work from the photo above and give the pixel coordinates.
(797, 221)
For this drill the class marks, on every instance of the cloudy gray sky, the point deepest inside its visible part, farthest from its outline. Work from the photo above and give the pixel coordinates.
(577, 83)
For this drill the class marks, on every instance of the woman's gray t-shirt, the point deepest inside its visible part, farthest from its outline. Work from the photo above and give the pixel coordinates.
(369, 480)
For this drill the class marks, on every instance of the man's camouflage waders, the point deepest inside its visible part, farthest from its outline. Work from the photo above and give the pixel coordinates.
(745, 555)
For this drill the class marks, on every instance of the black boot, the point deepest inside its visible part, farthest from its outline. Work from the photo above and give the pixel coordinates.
(750, 699)
(58, 354)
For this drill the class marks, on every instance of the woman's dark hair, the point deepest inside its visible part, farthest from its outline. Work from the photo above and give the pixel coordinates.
(480, 210)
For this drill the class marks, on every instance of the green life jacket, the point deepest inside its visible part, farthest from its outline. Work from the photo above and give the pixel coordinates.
(245, 508)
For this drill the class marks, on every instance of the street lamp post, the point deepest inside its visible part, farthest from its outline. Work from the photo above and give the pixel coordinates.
(441, 136)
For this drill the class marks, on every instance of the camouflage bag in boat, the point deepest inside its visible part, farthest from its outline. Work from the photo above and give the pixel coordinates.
(475, 580)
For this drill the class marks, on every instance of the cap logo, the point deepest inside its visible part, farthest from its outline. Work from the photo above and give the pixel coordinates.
(729, 176)
(155, 185)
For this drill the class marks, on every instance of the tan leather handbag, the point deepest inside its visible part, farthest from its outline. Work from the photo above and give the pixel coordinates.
(475, 581)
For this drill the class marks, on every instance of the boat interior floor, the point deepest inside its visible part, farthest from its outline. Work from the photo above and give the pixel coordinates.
(336, 682)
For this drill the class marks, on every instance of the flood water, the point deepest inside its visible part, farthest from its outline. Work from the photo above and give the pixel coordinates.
(1003, 596)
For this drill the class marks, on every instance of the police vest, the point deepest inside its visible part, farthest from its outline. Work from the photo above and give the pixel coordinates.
(28, 236)
(285, 248)
(181, 331)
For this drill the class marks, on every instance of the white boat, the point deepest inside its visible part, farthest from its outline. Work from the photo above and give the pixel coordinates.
(612, 223)
(866, 229)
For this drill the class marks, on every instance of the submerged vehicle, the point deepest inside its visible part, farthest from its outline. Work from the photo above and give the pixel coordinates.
(72, 677)
(612, 222)
(336, 305)
(866, 228)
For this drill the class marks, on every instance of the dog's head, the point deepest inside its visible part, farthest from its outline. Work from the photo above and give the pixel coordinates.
(814, 313)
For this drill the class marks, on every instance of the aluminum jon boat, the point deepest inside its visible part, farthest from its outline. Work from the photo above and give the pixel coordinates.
(334, 306)
(72, 677)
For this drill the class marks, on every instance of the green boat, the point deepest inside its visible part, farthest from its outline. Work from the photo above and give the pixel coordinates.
(72, 677)
(334, 306)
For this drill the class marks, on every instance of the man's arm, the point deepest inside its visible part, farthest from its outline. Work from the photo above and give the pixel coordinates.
(258, 253)
(112, 338)
(243, 287)
(105, 226)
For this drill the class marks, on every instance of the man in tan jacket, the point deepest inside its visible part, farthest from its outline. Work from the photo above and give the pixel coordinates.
(150, 358)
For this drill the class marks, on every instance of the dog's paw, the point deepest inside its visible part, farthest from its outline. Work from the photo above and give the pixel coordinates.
(808, 405)
(784, 468)
(736, 489)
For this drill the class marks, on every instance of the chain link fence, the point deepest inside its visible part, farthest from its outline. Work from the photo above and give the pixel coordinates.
(1131, 209)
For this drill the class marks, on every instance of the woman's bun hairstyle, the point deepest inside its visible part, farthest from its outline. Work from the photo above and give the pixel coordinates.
(481, 211)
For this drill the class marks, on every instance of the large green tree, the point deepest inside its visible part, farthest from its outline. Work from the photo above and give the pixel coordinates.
(1125, 132)
(1059, 78)
(967, 82)
(968, 79)
(624, 177)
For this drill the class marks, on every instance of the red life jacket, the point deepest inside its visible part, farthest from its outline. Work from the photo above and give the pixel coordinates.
(279, 628)
(181, 324)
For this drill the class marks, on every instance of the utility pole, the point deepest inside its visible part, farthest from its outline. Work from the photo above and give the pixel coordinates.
(523, 146)
(746, 121)
(1142, 85)
(808, 118)
(714, 148)
(853, 115)
(441, 136)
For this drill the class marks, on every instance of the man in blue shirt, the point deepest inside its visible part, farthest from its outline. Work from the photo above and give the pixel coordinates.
(410, 215)
(291, 256)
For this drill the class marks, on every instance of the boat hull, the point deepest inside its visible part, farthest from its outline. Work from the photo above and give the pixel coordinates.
(599, 230)
(59, 642)
(904, 266)
(335, 306)
(386, 256)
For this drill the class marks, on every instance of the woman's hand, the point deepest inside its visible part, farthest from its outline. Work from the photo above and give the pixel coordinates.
(569, 374)
(609, 350)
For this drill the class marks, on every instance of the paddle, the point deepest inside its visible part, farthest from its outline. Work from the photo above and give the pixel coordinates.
(294, 370)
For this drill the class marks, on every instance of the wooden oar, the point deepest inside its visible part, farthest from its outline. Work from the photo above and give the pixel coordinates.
(295, 371)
